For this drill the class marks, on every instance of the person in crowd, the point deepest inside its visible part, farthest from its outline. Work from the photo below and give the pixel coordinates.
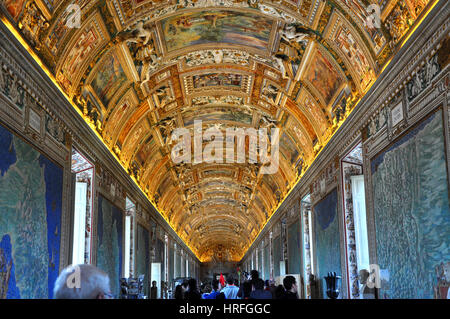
(205, 290)
(254, 274)
(272, 288)
(246, 289)
(278, 292)
(230, 291)
(192, 293)
(259, 292)
(267, 285)
(290, 287)
(82, 282)
(184, 285)
(153, 290)
(215, 292)
(179, 294)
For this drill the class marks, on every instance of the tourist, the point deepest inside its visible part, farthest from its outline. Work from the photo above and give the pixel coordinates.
(192, 293)
(278, 292)
(290, 287)
(246, 289)
(230, 291)
(82, 282)
(179, 294)
(153, 290)
(215, 292)
(259, 292)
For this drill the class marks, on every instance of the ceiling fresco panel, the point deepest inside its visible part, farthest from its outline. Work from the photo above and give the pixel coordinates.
(324, 76)
(82, 48)
(216, 26)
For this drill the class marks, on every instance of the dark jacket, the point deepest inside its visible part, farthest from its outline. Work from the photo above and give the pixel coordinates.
(192, 295)
(289, 295)
(260, 294)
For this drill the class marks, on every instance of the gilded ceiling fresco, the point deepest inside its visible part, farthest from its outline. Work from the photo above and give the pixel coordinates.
(139, 70)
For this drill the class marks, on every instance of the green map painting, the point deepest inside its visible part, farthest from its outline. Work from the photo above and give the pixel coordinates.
(327, 239)
(143, 255)
(109, 242)
(411, 208)
(294, 249)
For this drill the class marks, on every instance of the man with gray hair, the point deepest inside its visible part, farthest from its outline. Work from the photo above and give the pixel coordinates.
(82, 282)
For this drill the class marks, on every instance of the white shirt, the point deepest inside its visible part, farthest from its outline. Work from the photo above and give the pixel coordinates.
(230, 291)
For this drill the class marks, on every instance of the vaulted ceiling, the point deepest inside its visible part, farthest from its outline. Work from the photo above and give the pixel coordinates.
(139, 69)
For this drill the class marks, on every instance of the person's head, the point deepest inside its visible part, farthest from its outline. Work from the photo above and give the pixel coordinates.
(179, 292)
(247, 288)
(290, 284)
(279, 292)
(266, 283)
(153, 283)
(230, 280)
(254, 274)
(184, 285)
(207, 289)
(215, 284)
(363, 275)
(258, 284)
(192, 284)
(82, 282)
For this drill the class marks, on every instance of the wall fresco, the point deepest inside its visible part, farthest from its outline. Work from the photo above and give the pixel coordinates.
(143, 255)
(411, 208)
(327, 240)
(109, 242)
(30, 220)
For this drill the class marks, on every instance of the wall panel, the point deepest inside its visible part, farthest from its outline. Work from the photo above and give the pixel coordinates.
(110, 242)
(30, 219)
(411, 210)
(327, 239)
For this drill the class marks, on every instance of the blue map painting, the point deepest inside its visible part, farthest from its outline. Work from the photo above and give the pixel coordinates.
(327, 239)
(411, 209)
(109, 242)
(30, 220)
(143, 255)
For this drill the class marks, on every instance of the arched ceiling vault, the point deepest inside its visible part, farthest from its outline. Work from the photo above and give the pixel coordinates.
(140, 69)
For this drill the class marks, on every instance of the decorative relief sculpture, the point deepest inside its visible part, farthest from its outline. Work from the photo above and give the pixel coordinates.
(423, 77)
(33, 23)
(226, 99)
(295, 34)
(145, 51)
(377, 123)
(270, 92)
(164, 96)
(398, 22)
(53, 128)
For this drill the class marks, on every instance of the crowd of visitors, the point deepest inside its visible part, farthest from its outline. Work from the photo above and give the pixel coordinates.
(89, 282)
(252, 288)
